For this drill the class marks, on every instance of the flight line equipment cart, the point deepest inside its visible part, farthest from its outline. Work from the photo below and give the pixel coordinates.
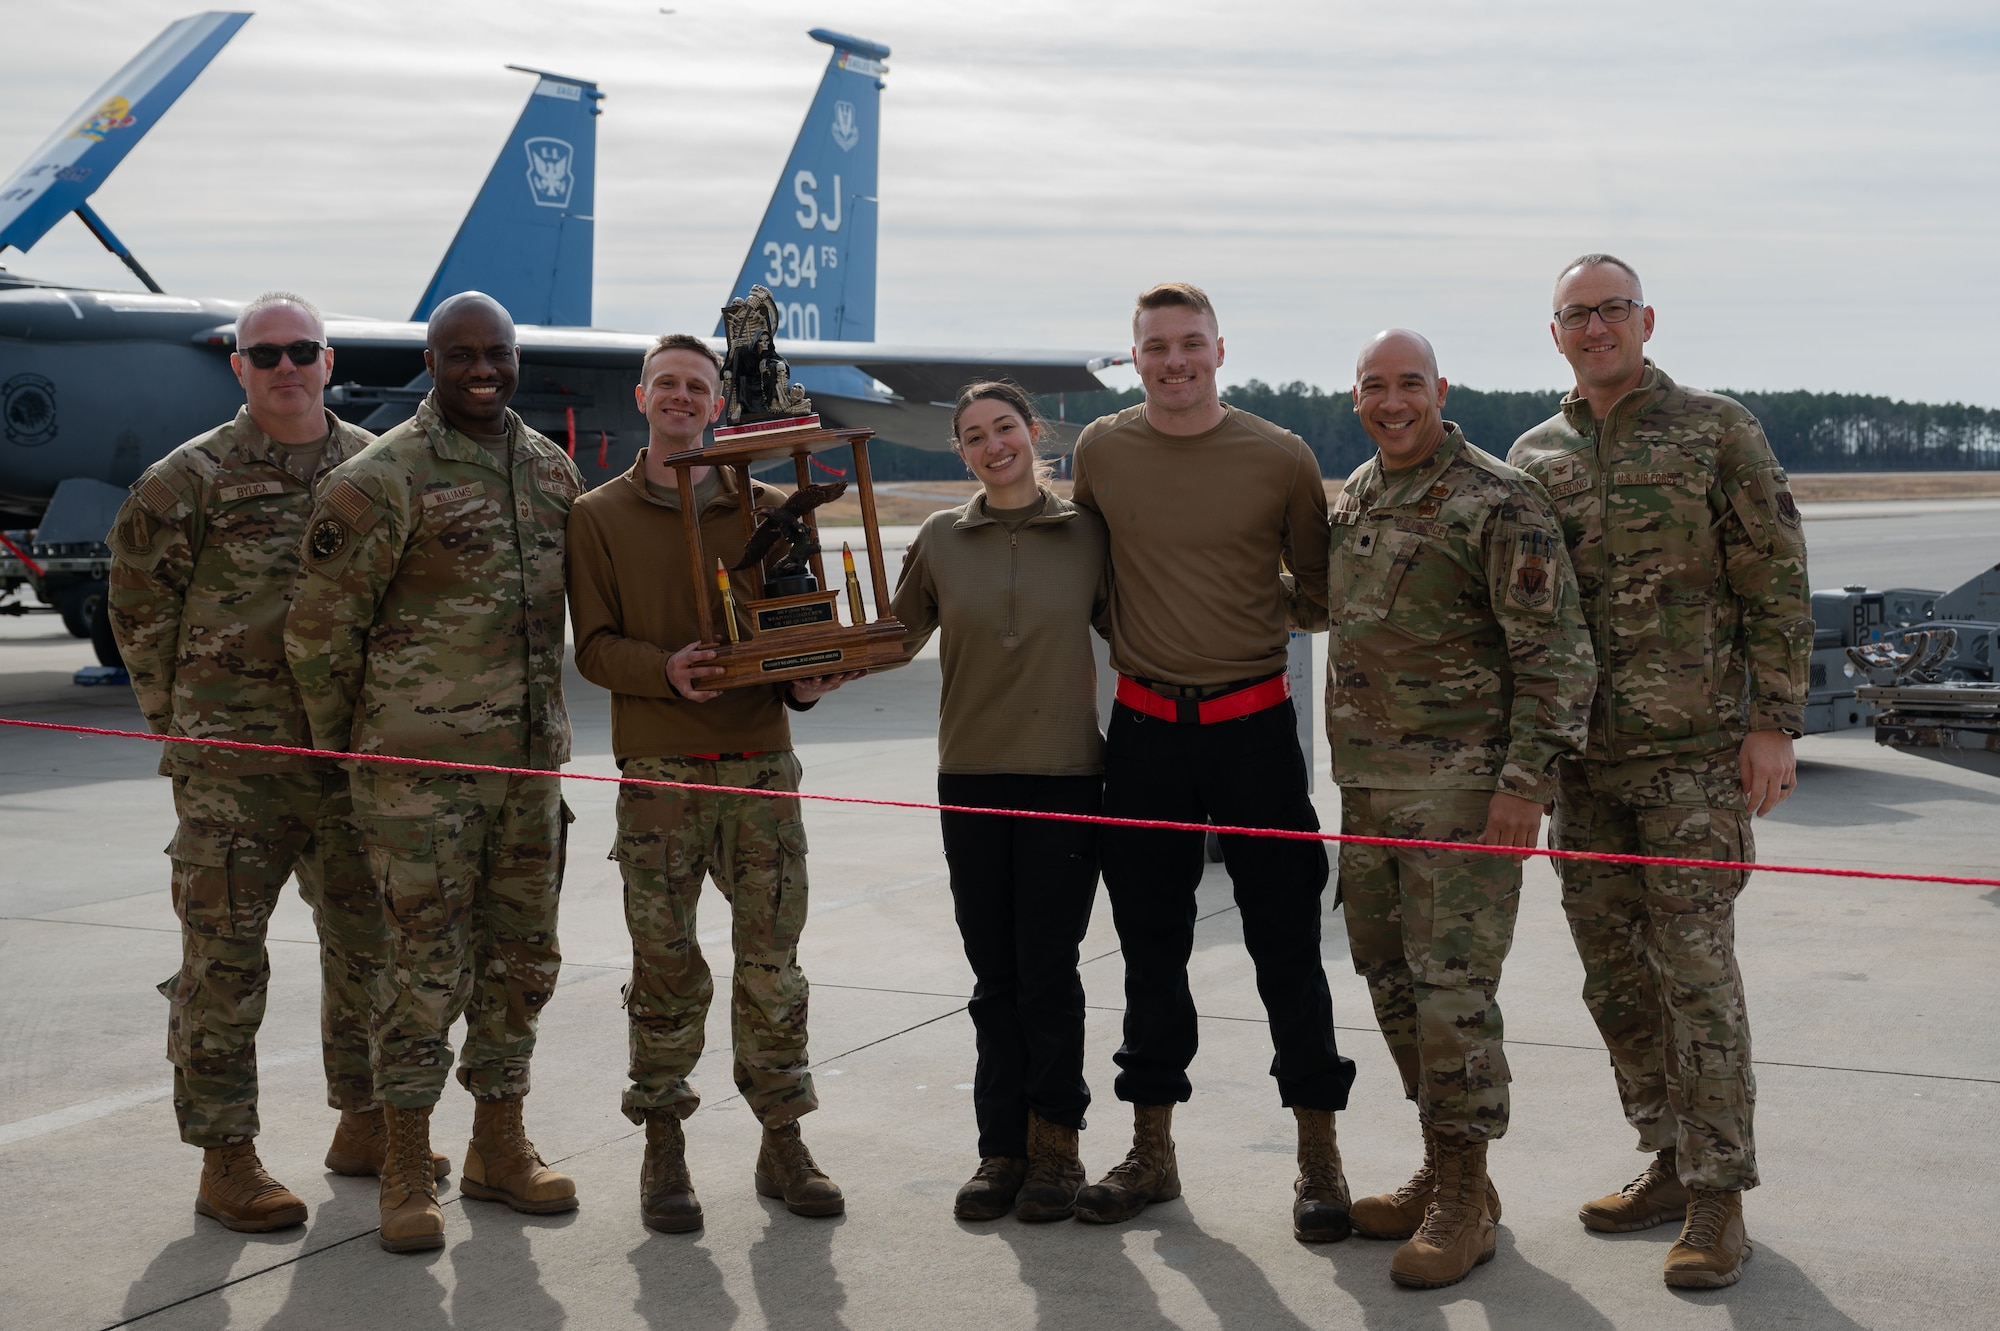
(786, 637)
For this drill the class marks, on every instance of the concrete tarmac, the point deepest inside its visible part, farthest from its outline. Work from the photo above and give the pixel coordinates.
(1873, 1004)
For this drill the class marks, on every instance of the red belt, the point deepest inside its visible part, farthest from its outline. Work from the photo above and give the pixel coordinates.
(1189, 712)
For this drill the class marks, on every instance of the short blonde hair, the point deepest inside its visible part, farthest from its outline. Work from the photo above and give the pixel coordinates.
(1184, 294)
(680, 342)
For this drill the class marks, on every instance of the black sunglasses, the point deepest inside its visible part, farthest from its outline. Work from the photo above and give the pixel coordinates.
(265, 355)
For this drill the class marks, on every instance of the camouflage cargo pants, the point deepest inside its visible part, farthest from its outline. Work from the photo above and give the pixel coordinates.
(239, 839)
(1428, 930)
(1659, 951)
(755, 849)
(470, 868)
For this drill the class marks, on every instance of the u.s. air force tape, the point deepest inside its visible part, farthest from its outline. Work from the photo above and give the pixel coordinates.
(327, 539)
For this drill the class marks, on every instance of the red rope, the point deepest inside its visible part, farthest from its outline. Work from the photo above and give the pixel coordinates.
(1284, 833)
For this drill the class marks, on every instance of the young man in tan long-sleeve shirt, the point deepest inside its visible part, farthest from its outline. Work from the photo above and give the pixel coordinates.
(1204, 505)
(633, 606)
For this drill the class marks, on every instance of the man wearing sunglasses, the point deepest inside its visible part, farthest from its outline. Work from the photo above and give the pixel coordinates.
(1691, 560)
(428, 623)
(203, 558)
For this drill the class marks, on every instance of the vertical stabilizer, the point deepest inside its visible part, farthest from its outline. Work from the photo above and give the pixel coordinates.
(816, 247)
(79, 156)
(528, 239)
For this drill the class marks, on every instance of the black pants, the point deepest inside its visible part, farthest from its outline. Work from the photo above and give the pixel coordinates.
(1022, 890)
(1247, 772)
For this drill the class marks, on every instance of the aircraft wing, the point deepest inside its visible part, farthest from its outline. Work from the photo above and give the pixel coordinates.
(914, 373)
(78, 157)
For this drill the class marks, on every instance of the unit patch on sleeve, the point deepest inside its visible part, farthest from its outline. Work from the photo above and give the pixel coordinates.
(327, 539)
(1788, 508)
(1531, 583)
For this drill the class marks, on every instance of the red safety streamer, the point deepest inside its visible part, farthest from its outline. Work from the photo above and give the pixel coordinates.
(569, 418)
(603, 450)
(21, 555)
(831, 471)
(1281, 833)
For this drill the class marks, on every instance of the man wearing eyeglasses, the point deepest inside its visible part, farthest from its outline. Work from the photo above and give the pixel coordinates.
(1691, 560)
(203, 557)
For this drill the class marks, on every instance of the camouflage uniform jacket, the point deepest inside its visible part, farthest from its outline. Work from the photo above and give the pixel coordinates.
(428, 620)
(203, 558)
(1691, 562)
(1458, 658)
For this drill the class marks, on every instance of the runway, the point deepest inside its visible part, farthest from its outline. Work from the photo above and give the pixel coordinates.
(1873, 1006)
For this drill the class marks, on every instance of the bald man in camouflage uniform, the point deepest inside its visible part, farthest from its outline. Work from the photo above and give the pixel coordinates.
(1458, 670)
(428, 623)
(203, 556)
(1691, 558)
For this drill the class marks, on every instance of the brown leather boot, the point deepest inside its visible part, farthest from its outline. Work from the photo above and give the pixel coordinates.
(666, 1193)
(1396, 1215)
(1055, 1173)
(1457, 1234)
(1713, 1244)
(411, 1220)
(360, 1140)
(1650, 1199)
(786, 1169)
(1320, 1200)
(237, 1193)
(502, 1165)
(1149, 1172)
(990, 1192)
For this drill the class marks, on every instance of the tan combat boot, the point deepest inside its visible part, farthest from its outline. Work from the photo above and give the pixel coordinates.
(360, 1140)
(1396, 1215)
(1320, 1200)
(785, 1169)
(1055, 1173)
(411, 1221)
(236, 1192)
(1457, 1234)
(990, 1192)
(1149, 1172)
(1713, 1245)
(1653, 1197)
(501, 1164)
(666, 1193)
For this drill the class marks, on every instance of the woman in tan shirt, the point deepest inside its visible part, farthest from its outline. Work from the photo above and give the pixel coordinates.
(1014, 580)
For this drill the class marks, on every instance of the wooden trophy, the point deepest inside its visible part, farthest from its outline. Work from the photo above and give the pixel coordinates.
(782, 622)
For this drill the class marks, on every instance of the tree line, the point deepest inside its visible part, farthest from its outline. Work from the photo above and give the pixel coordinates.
(1808, 431)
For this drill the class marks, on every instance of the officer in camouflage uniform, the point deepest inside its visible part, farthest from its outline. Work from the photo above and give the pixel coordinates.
(428, 623)
(1458, 670)
(203, 556)
(636, 629)
(1692, 567)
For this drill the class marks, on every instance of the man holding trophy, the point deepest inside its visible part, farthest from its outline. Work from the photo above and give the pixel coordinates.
(638, 634)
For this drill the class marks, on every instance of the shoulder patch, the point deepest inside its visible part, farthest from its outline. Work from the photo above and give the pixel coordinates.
(327, 539)
(156, 494)
(230, 494)
(352, 505)
(1531, 583)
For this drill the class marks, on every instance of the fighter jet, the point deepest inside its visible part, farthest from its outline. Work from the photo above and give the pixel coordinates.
(527, 240)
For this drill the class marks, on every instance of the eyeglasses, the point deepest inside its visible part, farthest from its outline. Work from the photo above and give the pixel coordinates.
(265, 355)
(1614, 311)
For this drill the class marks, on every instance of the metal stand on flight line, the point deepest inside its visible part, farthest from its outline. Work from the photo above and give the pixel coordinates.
(767, 637)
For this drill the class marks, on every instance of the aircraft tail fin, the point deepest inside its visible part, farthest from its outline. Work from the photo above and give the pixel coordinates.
(528, 240)
(63, 173)
(816, 247)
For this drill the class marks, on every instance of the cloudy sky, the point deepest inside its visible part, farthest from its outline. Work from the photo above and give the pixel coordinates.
(1809, 188)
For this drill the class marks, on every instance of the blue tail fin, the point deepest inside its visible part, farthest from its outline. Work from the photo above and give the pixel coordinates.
(527, 240)
(816, 247)
(77, 158)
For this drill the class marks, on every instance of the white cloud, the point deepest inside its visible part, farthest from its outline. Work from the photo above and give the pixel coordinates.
(1808, 188)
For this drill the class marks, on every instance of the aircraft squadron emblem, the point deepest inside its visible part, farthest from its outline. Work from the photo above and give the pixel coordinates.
(328, 539)
(549, 177)
(28, 406)
(116, 113)
(1788, 508)
(845, 133)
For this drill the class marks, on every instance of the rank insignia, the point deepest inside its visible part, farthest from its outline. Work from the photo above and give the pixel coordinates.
(328, 538)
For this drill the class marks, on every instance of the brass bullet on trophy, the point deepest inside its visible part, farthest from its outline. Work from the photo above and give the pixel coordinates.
(854, 607)
(728, 601)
